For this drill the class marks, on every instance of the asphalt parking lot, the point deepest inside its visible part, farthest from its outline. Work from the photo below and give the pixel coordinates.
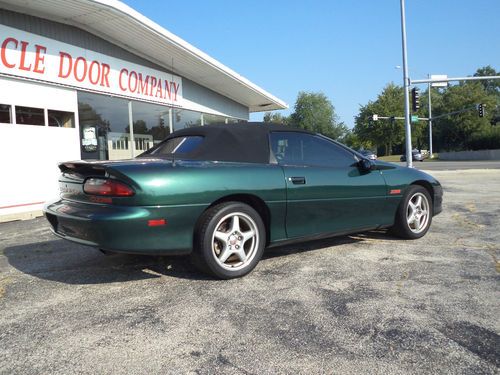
(366, 303)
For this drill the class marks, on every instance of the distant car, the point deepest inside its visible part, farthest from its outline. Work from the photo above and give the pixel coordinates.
(223, 193)
(415, 155)
(368, 154)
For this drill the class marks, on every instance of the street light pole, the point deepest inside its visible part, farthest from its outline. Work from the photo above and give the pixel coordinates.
(430, 118)
(406, 85)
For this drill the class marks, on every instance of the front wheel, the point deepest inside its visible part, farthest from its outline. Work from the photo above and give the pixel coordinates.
(229, 240)
(414, 214)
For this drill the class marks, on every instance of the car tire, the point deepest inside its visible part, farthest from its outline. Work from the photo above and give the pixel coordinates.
(229, 240)
(414, 213)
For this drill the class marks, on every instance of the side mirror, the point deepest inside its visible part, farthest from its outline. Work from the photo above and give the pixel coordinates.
(366, 165)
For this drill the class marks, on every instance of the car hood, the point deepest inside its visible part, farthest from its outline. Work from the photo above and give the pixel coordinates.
(381, 165)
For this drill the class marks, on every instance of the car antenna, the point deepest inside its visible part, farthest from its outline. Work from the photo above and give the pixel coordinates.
(171, 117)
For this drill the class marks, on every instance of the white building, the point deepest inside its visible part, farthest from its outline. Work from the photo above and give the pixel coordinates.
(94, 79)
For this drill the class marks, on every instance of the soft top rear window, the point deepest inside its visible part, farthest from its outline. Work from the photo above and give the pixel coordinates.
(179, 145)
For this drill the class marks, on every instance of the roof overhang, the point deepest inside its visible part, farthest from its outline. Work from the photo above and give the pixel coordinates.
(119, 24)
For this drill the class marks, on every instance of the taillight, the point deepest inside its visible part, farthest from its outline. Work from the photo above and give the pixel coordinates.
(108, 187)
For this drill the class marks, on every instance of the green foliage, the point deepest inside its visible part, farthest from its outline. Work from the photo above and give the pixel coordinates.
(460, 131)
(454, 132)
(390, 102)
(353, 141)
(275, 118)
(314, 112)
(487, 139)
(491, 86)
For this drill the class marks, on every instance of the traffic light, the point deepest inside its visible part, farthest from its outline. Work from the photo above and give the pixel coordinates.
(480, 110)
(415, 99)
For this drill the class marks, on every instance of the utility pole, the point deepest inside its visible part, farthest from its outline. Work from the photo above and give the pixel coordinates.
(430, 117)
(406, 85)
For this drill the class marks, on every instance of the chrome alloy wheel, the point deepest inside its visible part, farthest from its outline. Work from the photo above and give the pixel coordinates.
(235, 241)
(417, 213)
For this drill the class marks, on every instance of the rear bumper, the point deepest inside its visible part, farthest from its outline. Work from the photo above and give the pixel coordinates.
(125, 229)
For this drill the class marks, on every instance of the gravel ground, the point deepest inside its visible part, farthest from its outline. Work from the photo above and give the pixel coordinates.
(365, 303)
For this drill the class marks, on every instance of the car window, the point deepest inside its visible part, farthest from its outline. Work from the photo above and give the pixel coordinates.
(294, 148)
(179, 145)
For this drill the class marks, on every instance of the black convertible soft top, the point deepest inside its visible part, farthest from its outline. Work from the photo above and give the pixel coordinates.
(243, 142)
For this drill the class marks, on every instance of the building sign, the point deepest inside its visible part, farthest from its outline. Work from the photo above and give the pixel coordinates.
(32, 56)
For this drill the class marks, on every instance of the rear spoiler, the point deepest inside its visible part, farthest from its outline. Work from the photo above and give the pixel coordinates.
(82, 168)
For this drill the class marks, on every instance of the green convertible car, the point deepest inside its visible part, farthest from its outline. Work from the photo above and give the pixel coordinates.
(223, 193)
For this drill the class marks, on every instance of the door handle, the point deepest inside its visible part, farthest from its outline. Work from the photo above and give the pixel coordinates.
(297, 180)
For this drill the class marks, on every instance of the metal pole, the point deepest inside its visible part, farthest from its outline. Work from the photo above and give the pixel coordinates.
(131, 126)
(430, 118)
(171, 120)
(481, 78)
(406, 85)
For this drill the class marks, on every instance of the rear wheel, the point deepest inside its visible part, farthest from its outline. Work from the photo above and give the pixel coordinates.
(229, 240)
(414, 214)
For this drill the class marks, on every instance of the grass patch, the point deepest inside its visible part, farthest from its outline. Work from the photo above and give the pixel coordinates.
(390, 158)
(394, 158)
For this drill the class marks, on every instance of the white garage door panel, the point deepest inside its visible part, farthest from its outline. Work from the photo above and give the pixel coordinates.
(29, 154)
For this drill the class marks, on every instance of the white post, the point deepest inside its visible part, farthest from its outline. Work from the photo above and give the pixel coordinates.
(170, 120)
(131, 126)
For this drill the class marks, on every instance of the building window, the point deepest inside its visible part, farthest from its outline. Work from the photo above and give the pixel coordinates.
(30, 116)
(151, 125)
(5, 114)
(104, 127)
(235, 121)
(61, 119)
(213, 119)
(186, 119)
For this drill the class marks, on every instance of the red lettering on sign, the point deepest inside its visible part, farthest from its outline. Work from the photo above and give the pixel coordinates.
(132, 87)
(30, 57)
(152, 85)
(3, 54)
(75, 69)
(122, 72)
(65, 56)
(94, 72)
(167, 90)
(39, 58)
(159, 90)
(143, 85)
(176, 88)
(105, 75)
(22, 63)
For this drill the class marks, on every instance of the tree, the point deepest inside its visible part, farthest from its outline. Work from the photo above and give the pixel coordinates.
(314, 112)
(89, 116)
(387, 133)
(454, 132)
(275, 118)
(491, 86)
(140, 127)
(353, 141)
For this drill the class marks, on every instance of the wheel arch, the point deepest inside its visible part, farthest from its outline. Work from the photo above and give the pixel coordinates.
(427, 185)
(253, 201)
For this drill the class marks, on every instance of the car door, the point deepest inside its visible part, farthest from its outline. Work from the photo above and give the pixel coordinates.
(326, 190)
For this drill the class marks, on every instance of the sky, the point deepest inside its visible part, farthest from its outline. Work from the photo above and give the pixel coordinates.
(348, 50)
